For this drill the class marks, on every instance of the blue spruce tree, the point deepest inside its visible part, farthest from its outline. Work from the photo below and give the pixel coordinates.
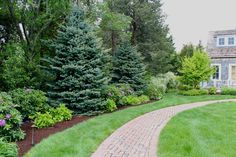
(78, 66)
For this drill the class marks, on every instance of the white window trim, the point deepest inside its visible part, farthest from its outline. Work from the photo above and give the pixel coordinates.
(219, 72)
(226, 40)
(230, 67)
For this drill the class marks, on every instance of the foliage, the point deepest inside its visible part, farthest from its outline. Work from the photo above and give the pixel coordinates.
(15, 71)
(128, 68)
(113, 26)
(77, 66)
(130, 100)
(10, 120)
(50, 118)
(110, 105)
(187, 50)
(116, 92)
(184, 87)
(228, 91)
(61, 113)
(134, 100)
(143, 98)
(212, 90)
(194, 92)
(29, 101)
(196, 69)
(42, 120)
(8, 149)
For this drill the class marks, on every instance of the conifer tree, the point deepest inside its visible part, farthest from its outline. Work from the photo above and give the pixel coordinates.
(77, 66)
(128, 67)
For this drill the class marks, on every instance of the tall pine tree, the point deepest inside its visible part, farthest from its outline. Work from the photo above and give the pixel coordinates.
(128, 67)
(78, 66)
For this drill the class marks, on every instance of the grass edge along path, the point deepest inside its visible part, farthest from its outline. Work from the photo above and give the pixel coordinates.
(83, 139)
(208, 131)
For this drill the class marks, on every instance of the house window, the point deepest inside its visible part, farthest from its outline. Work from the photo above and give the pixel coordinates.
(233, 72)
(216, 75)
(231, 41)
(221, 41)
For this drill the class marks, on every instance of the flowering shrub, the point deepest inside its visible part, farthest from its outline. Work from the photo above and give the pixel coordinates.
(10, 120)
(29, 101)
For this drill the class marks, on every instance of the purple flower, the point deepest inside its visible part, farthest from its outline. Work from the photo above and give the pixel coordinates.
(2, 122)
(8, 116)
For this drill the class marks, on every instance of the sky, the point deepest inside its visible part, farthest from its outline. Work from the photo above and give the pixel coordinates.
(191, 20)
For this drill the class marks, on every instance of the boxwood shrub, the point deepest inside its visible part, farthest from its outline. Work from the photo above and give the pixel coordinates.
(194, 92)
(228, 91)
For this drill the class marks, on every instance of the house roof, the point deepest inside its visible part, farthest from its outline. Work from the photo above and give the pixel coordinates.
(220, 52)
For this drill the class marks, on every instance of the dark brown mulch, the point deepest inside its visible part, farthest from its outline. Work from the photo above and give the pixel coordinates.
(39, 134)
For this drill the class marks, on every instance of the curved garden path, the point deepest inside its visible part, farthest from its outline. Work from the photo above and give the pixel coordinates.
(139, 137)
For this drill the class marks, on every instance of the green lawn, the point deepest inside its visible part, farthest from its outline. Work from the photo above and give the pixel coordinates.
(83, 139)
(208, 131)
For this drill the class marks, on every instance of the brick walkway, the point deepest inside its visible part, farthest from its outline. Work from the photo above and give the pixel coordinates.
(139, 137)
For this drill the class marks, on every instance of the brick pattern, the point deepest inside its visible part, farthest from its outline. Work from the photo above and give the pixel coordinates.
(139, 137)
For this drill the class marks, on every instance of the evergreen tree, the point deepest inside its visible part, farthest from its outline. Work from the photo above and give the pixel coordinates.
(128, 67)
(78, 66)
(149, 33)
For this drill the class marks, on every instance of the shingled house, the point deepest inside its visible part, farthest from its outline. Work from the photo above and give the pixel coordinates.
(221, 48)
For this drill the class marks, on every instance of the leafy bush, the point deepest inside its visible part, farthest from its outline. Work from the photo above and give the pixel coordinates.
(194, 92)
(110, 105)
(42, 120)
(61, 113)
(8, 149)
(143, 98)
(10, 120)
(29, 101)
(156, 88)
(130, 100)
(184, 87)
(196, 69)
(212, 90)
(117, 92)
(228, 91)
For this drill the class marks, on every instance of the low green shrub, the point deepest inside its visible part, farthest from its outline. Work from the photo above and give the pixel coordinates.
(50, 118)
(61, 113)
(29, 101)
(117, 92)
(8, 149)
(212, 90)
(153, 91)
(110, 105)
(183, 87)
(130, 100)
(10, 120)
(43, 120)
(228, 91)
(194, 92)
(143, 98)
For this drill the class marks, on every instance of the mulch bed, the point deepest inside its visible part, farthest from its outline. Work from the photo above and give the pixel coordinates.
(39, 134)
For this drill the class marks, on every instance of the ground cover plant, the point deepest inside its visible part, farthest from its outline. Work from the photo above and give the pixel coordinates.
(82, 140)
(205, 131)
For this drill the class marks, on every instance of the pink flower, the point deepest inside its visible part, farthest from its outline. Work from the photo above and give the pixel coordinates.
(8, 116)
(2, 122)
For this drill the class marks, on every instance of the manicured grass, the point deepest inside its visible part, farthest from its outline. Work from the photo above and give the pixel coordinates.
(83, 139)
(208, 131)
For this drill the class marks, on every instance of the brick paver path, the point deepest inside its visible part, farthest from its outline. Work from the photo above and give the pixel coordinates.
(139, 137)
